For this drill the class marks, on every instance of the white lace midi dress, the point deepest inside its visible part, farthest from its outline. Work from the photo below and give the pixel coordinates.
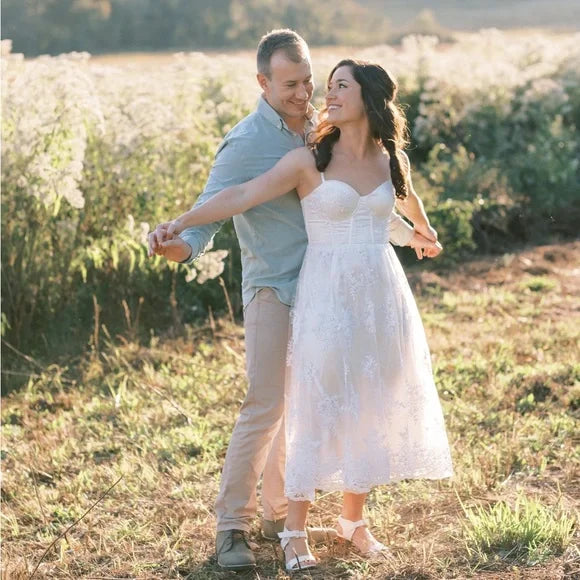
(361, 404)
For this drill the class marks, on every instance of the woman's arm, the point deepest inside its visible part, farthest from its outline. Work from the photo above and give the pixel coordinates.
(282, 178)
(402, 234)
(412, 207)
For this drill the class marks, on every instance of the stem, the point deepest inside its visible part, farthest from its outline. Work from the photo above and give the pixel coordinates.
(72, 526)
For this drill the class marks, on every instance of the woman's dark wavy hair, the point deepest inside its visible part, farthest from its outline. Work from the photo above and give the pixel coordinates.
(386, 120)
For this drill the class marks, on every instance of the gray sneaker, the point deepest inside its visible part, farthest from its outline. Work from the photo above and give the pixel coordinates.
(271, 528)
(233, 550)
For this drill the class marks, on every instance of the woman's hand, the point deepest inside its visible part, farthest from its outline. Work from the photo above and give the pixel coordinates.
(427, 231)
(424, 247)
(169, 245)
(174, 228)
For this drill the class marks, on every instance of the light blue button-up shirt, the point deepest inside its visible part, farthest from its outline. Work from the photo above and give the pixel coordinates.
(272, 236)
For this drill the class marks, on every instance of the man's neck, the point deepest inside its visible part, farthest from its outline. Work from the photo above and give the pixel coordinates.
(295, 124)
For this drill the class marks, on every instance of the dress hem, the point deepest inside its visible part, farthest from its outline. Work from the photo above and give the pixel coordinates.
(310, 495)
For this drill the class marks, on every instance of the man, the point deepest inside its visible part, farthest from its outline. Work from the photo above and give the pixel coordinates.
(273, 240)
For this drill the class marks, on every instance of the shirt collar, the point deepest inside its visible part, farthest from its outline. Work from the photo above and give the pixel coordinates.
(273, 117)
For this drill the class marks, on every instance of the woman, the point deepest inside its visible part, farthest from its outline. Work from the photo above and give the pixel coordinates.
(361, 404)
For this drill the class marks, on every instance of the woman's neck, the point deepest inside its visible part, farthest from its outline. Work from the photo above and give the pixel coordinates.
(356, 143)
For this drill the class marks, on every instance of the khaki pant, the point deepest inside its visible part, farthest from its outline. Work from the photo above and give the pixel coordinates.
(257, 445)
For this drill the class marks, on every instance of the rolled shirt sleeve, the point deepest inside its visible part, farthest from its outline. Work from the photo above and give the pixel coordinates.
(400, 232)
(227, 170)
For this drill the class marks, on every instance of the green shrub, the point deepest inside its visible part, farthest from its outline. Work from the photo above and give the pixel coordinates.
(452, 220)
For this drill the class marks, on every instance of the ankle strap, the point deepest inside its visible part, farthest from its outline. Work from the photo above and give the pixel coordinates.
(349, 527)
(292, 534)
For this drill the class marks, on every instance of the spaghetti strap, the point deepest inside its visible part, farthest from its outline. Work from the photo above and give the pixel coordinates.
(322, 176)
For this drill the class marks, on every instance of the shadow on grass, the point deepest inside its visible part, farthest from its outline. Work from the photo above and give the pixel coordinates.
(208, 569)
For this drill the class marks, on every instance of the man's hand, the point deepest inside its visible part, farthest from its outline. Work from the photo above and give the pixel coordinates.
(167, 244)
(424, 246)
(156, 238)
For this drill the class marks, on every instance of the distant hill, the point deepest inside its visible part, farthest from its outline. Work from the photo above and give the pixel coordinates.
(475, 14)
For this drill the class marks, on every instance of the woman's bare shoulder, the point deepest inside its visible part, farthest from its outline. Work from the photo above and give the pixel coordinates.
(302, 156)
(303, 161)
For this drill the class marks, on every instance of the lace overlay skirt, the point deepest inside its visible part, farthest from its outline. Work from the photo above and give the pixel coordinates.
(361, 405)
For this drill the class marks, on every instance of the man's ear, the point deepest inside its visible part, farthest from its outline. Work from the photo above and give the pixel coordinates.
(262, 81)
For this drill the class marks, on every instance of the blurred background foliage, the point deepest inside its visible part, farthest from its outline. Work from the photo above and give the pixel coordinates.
(101, 26)
(53, 26)
(95, 152)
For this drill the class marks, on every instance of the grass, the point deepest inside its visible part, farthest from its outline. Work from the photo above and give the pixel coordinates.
(159, 416)
(527, 534)
(538, 284)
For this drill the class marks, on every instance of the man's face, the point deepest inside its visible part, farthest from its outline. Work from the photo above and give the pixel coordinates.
(290, 86)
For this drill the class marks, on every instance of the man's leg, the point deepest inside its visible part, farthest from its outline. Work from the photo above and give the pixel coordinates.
(266, 325)
(274, 502)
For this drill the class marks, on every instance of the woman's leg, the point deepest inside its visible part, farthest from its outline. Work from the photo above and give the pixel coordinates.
(297, 513)
(352, 505)
(296, 520)
(352, 509)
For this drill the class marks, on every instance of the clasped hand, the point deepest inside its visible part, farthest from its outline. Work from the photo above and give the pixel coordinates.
(164, 240)
(425, 248)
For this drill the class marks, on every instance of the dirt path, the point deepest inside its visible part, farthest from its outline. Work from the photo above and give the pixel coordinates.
(559, 262)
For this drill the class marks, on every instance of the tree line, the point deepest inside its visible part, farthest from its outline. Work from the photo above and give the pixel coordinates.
(100, 26)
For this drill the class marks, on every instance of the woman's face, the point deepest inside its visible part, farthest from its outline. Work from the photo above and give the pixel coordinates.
(344, 98)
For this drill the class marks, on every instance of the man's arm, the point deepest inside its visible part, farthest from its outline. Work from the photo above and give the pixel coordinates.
(227, 169)
(400, 232)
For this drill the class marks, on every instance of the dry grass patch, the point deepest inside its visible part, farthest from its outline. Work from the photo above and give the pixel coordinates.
(159, 417)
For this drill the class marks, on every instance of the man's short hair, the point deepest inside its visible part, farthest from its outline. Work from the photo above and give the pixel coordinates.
(293, 45)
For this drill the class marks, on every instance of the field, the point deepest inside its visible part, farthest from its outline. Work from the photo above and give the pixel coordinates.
(123, 376)
(98, 150)
(503, 335)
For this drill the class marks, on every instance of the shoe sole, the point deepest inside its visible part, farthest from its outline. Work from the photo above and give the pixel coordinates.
(386, 554)
(328, 538)
(307, 567)
(237, 568)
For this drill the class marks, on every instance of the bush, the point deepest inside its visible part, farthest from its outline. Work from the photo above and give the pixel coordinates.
(87, 168)
(452, 220)
(94, 156)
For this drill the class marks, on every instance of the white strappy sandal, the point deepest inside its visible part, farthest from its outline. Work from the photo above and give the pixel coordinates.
(346, 532)
(299, 562)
